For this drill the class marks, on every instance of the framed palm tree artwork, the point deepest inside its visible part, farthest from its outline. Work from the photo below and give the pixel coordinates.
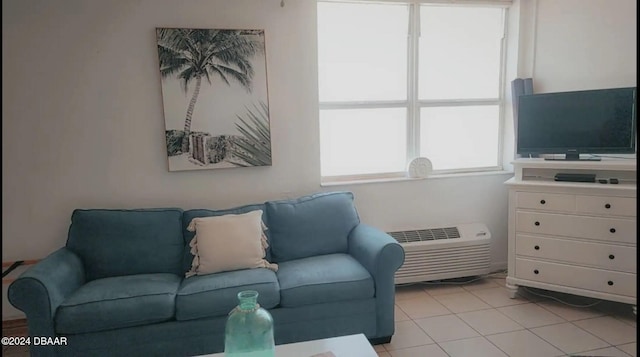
(214, 92)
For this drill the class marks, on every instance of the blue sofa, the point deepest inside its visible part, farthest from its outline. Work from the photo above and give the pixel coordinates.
(118, 287)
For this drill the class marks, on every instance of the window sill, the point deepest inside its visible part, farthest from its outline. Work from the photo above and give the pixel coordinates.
(404, 179)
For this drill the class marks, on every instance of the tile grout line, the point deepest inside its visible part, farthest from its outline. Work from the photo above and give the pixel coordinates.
(611, 346)
(599, 313)
(550, 324)
(597, 337)
(464, 338)
(598, 317)
(623, 351)
(463, 321)
(537, 301)
(630, 323)
(498, 347)
(491, 342)
(549, 311)
(578, 327)
(483, 335)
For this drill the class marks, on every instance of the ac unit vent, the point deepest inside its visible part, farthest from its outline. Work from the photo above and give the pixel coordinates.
(444, 253)
(425, 234)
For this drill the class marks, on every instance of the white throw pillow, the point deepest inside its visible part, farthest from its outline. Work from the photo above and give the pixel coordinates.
(228, 242)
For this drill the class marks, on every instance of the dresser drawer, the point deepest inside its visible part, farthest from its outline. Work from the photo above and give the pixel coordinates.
(546, 201)
(578, 277)
(606, 256)
(605, 229)
(601, 205)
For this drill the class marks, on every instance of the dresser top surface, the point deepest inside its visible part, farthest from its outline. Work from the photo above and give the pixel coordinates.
(604, 164)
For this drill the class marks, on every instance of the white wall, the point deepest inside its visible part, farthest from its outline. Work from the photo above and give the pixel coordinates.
(585, 44)
(83, 123)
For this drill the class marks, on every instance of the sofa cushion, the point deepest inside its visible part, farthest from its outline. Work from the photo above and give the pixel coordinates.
(189, 215)
(323, 279)
(311, 225)
(127, 242)
(216, 294)
(227, 243)
(118, 302)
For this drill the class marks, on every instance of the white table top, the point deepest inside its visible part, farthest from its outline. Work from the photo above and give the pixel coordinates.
(343, 346)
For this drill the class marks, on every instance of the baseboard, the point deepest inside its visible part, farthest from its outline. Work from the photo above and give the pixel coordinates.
(498, 266)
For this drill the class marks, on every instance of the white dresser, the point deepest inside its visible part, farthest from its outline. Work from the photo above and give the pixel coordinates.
(572, 237)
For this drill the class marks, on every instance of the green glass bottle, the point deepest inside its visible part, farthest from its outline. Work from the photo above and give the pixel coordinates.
(249, 329)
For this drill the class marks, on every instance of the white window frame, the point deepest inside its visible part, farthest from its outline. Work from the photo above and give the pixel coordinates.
(413, 104)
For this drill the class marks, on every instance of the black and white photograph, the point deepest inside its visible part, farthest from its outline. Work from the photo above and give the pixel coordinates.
(214, 91)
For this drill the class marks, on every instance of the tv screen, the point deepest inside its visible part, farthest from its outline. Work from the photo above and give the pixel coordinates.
(601, 121)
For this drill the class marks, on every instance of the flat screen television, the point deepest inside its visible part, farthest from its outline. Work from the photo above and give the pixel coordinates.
(601, 121)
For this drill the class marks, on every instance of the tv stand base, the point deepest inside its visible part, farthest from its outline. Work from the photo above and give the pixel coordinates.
(571, 237)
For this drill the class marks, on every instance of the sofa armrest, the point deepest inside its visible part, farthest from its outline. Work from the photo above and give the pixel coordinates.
(382, 256)
(377, 251)
(42, 288)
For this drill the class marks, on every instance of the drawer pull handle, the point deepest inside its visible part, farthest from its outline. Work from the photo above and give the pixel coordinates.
(537, 247)
(612, 230)
(611, 256)
(535, 271)
(607, 206)
(538, 223)
(610, 282)
(542, 202)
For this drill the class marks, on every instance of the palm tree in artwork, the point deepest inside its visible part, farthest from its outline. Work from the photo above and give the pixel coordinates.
(192, 54)
(254, 146)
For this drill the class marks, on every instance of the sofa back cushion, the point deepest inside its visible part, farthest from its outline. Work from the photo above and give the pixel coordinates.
(311, 225)
(126, 242)
(196, 213)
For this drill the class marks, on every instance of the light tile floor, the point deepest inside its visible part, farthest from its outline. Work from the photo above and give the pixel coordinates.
(479, 319)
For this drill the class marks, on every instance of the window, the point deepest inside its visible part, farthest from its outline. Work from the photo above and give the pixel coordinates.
(402, 80)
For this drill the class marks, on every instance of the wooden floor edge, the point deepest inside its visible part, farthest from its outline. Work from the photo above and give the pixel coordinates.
(24, 262)
(8, 280)
(6, 324)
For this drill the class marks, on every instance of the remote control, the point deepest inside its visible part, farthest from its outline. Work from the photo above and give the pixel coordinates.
(613, 181)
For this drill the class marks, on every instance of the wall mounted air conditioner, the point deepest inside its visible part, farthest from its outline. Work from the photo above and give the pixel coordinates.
(444, 253)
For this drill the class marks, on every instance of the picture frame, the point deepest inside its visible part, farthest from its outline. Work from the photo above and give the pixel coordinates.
(215, 98)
